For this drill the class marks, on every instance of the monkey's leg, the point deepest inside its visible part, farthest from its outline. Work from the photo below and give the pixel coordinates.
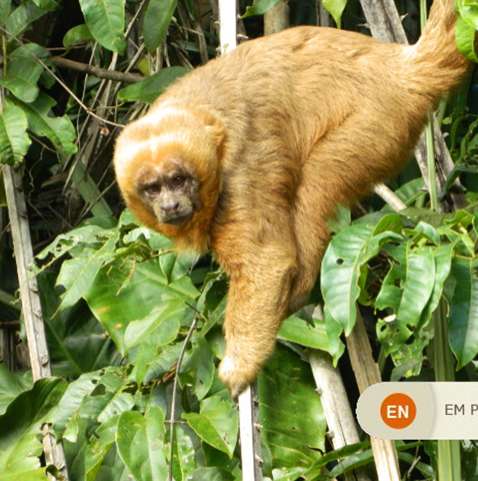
(257, 303)
(313, 207)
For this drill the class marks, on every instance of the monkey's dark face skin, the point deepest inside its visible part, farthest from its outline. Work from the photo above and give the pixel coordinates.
(172, 195)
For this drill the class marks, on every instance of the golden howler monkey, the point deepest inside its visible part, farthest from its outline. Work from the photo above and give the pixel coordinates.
(250, 154)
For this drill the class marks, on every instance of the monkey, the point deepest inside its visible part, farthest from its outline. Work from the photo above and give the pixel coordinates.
(250, 154)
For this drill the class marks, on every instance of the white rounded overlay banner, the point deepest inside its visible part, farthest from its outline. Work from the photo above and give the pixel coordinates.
(420, 410)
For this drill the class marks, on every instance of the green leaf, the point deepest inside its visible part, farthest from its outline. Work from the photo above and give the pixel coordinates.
(11, 385)
(130, 291)
(217, 423)
(77, 35)
(140, 441)
(150, 88)
(185, 452)
(20, 443)
(468, 9)
(71, 401)
(465, 39)
(463, 326)
(46, 4)
(159, 328)
(22, 17)
(5, 9)
(259, 7)
(77, 275)
(156, 22)
(106, 21)
(14, 140)
(336, 9)
(293, 423)
(210, 474)
(347, 253)
(418, 287)
(59, 130)
(24, 71)
(201, 367)
(308, 333)
(99, 447)
(34, 475)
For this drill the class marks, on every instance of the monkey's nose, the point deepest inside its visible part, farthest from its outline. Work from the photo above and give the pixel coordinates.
(170, 208)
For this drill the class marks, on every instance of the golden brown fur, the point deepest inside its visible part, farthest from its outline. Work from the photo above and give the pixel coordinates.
(279, 132)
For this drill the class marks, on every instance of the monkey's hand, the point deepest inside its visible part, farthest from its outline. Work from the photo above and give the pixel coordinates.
(236, 373)
(257, 303)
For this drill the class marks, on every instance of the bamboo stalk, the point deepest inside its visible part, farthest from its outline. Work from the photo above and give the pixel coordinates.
(249, 434)
(31, 306)
(367, 373)
(335, 403)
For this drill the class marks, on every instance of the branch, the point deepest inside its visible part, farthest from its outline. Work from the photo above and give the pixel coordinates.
(96, 71)
(31, 305)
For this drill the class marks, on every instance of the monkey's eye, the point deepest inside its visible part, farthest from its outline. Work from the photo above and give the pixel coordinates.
(151, 189)
(178, 180)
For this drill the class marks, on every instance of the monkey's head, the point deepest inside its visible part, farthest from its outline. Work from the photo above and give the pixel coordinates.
(167, 166)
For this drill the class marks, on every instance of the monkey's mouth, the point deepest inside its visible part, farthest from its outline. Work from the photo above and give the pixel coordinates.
(176, 219)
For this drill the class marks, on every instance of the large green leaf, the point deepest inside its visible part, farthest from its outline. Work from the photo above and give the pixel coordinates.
(217, 423)
(156, 21)
(140, 441)
(11, 385)
(463, 327)
(105, 20)
(60, 131)
(71, 333)
(14, 140)
(23, 72)
(150, 88)
(348, 251)
(129, 291)
(292, 419)
(158, 328)
(20, 427)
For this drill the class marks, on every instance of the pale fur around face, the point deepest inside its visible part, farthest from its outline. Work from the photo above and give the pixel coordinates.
(280, 131)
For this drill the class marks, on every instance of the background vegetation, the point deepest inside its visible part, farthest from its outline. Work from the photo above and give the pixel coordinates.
(120, 308)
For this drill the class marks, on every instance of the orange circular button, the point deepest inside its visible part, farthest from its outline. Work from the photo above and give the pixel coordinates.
(398, 411)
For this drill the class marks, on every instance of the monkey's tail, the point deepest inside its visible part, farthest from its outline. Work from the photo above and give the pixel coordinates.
(438, 65)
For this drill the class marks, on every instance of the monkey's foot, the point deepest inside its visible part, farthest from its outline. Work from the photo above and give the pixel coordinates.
(237, 374)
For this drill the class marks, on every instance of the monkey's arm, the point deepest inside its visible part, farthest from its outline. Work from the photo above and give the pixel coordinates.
(257, 303)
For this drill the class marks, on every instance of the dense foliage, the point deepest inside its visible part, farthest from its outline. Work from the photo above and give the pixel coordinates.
(134, 331)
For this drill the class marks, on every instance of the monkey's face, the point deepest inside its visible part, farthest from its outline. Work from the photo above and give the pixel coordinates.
(170, 192)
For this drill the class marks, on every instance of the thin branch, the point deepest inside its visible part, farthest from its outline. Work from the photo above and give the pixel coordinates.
(390, 197)
(96, 71)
